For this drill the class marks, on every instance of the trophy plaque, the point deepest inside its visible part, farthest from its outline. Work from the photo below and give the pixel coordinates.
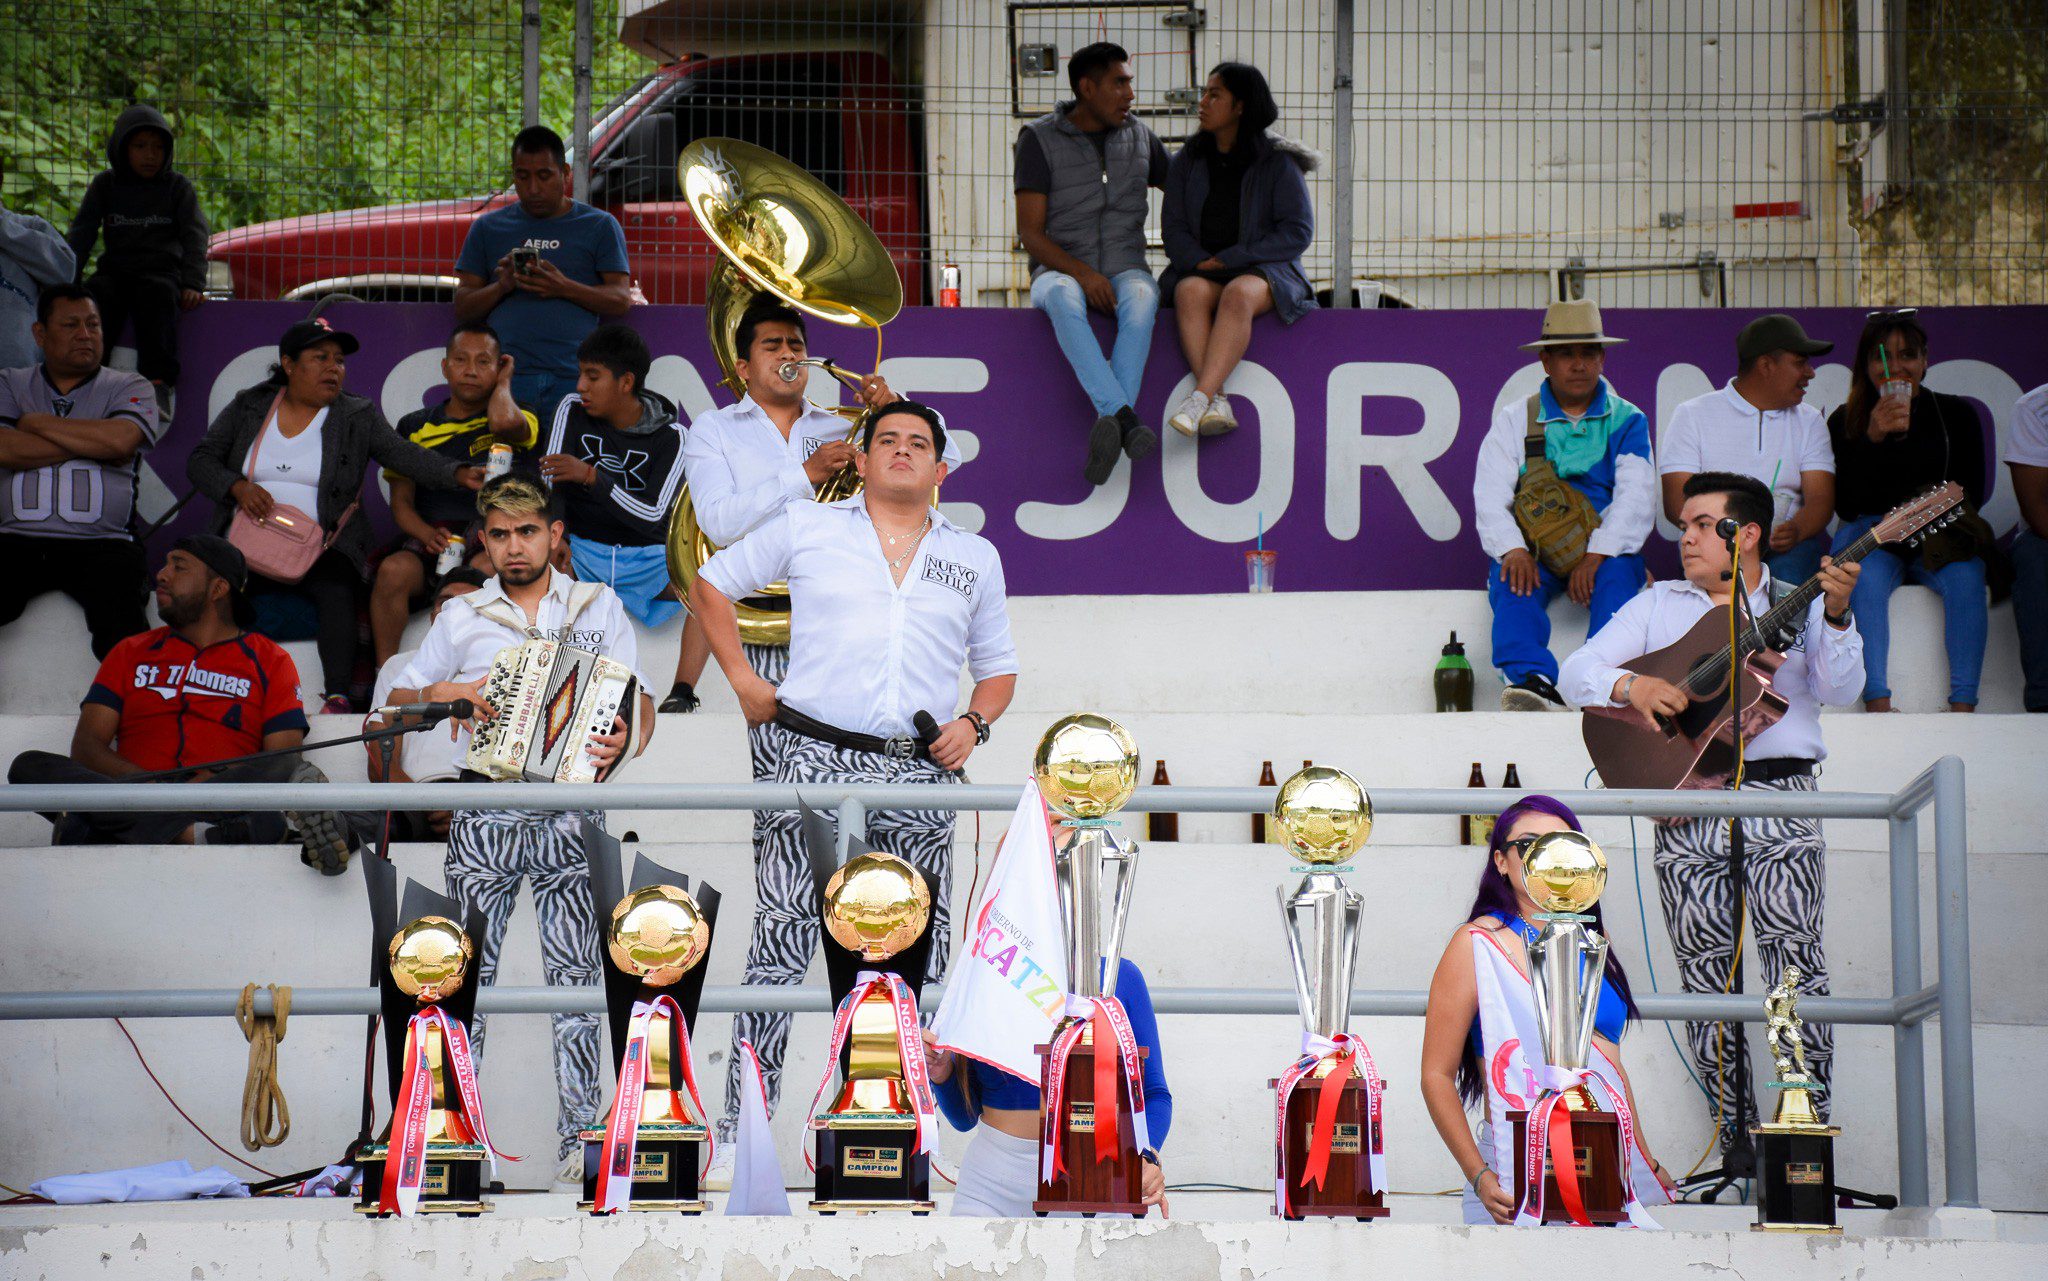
(873, 1145)
(1565, 874)
(1092, 1148)
(1795, 1150)
(656, 938)
(1329, 1146)
(432, 1155)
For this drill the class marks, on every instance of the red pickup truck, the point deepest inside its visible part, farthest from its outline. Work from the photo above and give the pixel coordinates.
(838, 115)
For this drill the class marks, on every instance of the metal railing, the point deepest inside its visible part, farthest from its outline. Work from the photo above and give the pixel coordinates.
(1911, 1003)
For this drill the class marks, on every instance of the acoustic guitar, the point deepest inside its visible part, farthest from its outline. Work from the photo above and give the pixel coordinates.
(1696, 748)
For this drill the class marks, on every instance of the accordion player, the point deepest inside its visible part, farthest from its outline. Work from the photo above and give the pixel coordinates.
(551, 699)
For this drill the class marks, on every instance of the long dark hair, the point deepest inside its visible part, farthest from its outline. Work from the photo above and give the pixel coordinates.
(1862, 391)
(1247, 84)
(1496, 897)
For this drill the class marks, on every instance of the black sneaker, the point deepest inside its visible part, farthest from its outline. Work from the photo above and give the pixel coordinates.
(1105, 446)
(1139, 440)
(325, 841)
(680, 699)
(1532, 693)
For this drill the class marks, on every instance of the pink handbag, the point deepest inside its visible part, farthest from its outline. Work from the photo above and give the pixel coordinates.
(283, 545)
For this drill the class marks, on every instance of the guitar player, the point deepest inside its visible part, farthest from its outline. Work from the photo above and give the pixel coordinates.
(1782, 860)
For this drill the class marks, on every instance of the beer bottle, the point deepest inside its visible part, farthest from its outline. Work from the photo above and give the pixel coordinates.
(1469, 830)
(1511, 779)
(1266, 779)
(1161, 826)
(1453, 679)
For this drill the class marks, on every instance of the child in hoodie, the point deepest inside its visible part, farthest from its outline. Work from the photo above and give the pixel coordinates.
(153, 263)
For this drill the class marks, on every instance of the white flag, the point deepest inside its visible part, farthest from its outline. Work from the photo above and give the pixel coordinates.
(756, 1174)
(1007, 988)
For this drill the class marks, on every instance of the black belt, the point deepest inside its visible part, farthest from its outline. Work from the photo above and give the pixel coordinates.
(1774, 768)
(902, 747)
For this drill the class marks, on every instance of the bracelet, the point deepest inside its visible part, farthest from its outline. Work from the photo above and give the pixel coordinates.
(1628, 685)
(980, 724)
(1473, 1182)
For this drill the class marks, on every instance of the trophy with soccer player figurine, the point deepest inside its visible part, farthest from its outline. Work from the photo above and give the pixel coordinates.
(1795, 1149)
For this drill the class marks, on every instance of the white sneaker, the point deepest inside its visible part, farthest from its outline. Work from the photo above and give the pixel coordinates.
(1187, 419)
(719, 1177)
(1219, 419)
(569, 1175)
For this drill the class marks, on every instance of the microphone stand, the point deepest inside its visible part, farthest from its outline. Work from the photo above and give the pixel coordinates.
(384, 735)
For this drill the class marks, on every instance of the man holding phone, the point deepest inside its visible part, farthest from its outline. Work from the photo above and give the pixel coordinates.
(543, 270)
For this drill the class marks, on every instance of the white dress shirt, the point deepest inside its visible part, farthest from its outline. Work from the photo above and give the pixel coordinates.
(866, 654)
(1830, 671)
(462, 642)
(741, 470)
(1625, 524)
(422, 754)
(1721, 431)
(2026, 440)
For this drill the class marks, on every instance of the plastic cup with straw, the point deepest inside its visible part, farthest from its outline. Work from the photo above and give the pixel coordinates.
(1258, 562)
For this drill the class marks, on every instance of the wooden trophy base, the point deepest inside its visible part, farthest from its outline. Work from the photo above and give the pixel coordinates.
(664, 1170)
(869, 1166)
(452, 1183)
(1086, 1186)
(1347, 1185)
(1795, 1179)
(1596, 1136)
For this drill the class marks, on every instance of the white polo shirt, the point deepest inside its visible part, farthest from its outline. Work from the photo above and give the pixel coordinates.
(865, 654)
(741, 470)
(462, 642)
(1721, 431)
(2026, 443)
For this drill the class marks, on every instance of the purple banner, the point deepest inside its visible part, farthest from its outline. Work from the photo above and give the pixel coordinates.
(1355, 451)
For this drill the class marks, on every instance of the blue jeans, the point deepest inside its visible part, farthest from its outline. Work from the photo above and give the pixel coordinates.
(1800, 561)
(541, 391)
(2030, 613)
(1521, 624)
(1966, 613)
(1113, 383)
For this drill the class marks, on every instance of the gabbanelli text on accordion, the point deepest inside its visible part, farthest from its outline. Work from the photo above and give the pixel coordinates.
(550, 701)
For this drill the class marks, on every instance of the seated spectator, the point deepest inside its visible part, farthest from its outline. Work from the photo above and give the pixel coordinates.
(1236, 222)
(1759, 426)
(196, 690)
(152, 263)
(1896, 439)
(615, 451)
(426, 756)
(1082, 171)
(299, 440)
(478, 414)
(1595, 448)
(32, 258)
(72, 436)
(2026, 456)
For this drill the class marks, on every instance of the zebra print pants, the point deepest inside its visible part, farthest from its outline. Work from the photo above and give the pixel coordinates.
(786, 922)
(1785, 891)
(489, 852)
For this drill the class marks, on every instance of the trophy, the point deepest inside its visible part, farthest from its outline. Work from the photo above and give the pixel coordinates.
(874, 1143)
(432, 1154)
(1795, 1149)
(1565, 874)
(1329, 1149)
(1092, 1143)
(644, 1157)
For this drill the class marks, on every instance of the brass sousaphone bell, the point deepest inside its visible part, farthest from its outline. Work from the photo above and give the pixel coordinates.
(778, 229)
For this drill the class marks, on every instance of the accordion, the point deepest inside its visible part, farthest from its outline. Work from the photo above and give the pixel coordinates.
(550, 700)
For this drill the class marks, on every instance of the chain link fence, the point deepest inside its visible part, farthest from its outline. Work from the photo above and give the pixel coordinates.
(1695, 153)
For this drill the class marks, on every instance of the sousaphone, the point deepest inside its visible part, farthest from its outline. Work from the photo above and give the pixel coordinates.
(776, 229)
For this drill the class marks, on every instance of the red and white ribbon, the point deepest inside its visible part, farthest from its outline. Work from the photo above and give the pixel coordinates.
(650, 1019)
(909, 1048)
(405, 1156)
(1349, 1052)
(1549, 1126)
(1112, 1026)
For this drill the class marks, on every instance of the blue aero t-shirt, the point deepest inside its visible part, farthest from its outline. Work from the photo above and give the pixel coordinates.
(542, 334)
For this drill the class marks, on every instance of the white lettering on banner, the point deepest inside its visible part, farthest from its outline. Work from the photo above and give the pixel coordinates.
(1239, 521)
(678, 379)
(1520, 385)
(1998, 392)
(238, 376)
(1405, 459)
(406, 386)
(1676, 384)
(914, 376)
(1059, 522)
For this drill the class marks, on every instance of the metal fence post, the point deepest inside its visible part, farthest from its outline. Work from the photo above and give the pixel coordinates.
(581, 142)
(1909, 1053)
(1952, 941)
(853, 819)
(1341, 230)
(529, 62)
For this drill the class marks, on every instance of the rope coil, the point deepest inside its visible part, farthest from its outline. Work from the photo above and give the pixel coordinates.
(266, 1117)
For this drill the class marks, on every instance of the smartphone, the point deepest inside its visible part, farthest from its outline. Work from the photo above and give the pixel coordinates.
(523, 259)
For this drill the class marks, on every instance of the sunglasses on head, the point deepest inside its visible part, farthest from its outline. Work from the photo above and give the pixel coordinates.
(1894, 313)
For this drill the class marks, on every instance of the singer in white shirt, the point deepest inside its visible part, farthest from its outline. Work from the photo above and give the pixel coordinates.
(888, 600)
(1782, 885)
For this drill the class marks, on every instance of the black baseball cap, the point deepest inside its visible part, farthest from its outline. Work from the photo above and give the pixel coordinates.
(1776, 332)
(226, 560)
(307, 332)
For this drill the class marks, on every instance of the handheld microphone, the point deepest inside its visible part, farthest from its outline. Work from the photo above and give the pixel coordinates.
(927, 728)
(461, 709)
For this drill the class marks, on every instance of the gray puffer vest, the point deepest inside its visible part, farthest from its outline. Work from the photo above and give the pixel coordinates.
(1096, 208)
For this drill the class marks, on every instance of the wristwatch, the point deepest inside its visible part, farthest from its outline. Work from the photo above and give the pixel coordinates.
(1843, 619)
(1628, 685)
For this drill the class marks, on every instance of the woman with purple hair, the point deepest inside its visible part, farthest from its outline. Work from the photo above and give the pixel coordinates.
(1478, 1001)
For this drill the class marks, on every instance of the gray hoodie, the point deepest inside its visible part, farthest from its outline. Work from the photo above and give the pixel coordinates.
(32, 256)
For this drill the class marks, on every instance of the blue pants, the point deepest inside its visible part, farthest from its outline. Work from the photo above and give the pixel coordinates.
(1113, 383)
(1966, 613)
(541, 390)
(1800, 561)
(638, 574)
(2030, 613)
(1521, 624)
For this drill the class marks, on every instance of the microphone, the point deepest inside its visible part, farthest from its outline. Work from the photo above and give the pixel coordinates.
(1727, 528)
(927, 728)
(461, 709)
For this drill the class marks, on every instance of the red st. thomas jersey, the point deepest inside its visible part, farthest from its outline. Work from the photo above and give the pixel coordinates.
(181, 705)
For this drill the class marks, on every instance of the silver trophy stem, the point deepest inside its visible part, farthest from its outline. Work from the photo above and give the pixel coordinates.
(1565, 966)
(1092, 863)
(1595, 951)
(1333, 912)
(1120, 866)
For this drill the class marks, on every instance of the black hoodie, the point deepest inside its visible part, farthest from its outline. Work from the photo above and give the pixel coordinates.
(152, 226)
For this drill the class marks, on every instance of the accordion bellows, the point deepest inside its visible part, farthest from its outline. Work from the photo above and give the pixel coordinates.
(551, 699)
